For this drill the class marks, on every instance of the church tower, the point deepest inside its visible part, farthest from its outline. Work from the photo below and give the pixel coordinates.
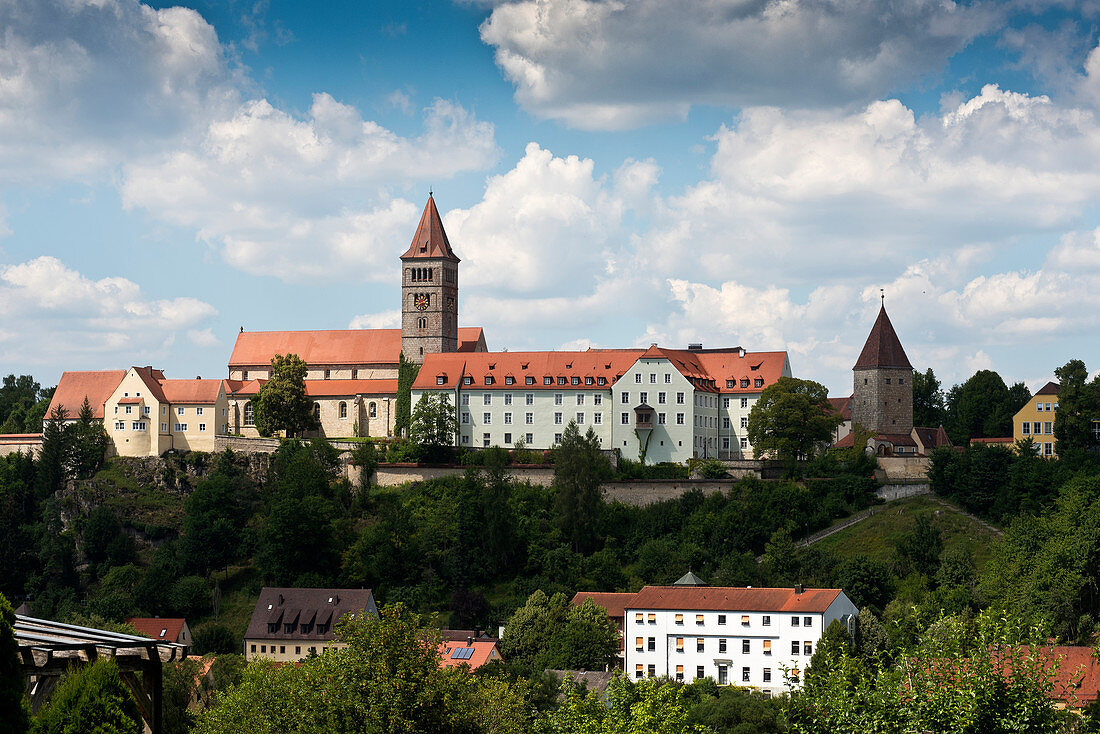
(882, 399)
(429, 290)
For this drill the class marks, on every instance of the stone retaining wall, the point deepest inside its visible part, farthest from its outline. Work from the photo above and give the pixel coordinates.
(900, 468)
(891, 492)
(647, 492)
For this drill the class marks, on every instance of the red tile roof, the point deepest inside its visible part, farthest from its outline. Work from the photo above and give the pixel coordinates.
(614, 603)
(1007, 440)
(159, 628)
(1051, 388)
(453, 654)
(732, 599)
(191, 391)
(336, 347)
(74, 386)
(594, 363)
(883, 348)
(334, 388)
(430, 240)
(152, 379)
(849, 441)
(843, 406)
(728, 364)
(1077, 680)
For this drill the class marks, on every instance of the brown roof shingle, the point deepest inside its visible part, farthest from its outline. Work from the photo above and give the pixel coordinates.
(430, 240)
(319, 606)
(883, 348)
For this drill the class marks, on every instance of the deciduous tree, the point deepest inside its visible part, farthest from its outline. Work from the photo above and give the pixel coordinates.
(579, 471)
(281, 403)
(791, 418)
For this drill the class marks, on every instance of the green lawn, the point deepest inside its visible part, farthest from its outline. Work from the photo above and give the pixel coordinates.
(877, 535)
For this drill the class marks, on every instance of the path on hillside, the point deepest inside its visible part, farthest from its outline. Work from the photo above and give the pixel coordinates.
(863, 515)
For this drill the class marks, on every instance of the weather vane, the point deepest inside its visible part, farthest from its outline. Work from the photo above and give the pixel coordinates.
(882, 295)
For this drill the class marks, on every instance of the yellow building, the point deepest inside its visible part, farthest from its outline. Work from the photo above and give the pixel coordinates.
(1036, 420)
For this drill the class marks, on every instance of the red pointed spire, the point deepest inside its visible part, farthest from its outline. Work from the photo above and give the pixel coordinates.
(430, 240)
(883, 348)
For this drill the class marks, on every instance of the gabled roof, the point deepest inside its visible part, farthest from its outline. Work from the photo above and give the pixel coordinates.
(729, 364)
(158, 628)
(733, 599)
(74, 386)
(843, 407)
(152, 379)
(595, 363)
(430, 240)
(931, 438)
(204, 392)
(455, 654)
(612, 602)
(883, 348)
(1051, 388)
(317, 606)
(335, 347)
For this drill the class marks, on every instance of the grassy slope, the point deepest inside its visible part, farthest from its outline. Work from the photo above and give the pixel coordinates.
(877, 535)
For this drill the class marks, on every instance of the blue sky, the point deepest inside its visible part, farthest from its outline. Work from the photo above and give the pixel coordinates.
(736, 172)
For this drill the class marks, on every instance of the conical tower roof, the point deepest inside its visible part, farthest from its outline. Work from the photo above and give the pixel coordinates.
(883, 348)
(430, 240)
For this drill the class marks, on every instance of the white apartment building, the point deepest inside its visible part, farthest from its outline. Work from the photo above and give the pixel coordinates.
(669, 403)
(737, 636)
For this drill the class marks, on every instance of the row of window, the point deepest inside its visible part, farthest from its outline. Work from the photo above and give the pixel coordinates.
(700, 619)
(528, 380)
(528, 439)
(643, 398)
(624, 418)
(529, 398)
(805, 648)
(1046, 407)
(757, 382)
(529, 419)
(1047, 427)
(143, 426)
(652, 377)
(297, 649)
(723, 674)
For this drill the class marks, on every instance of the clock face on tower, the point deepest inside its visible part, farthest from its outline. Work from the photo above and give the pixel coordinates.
(420, 302)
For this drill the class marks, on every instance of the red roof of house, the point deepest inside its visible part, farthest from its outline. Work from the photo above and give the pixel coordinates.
(932, 438)
(152, 379)
(454, 654)
(849, 441)
(883, 348)
(843, 406)
(191, 391)
(335, 388)
(594, 363)
(338, 346)
(159, 628)
(74, 386)
(1077, 680)
(728, 364)
(430, 240)
(1051, 388)
(733, 599)
(614, 603)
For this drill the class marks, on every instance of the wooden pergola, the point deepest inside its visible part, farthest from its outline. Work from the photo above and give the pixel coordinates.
(48, 649)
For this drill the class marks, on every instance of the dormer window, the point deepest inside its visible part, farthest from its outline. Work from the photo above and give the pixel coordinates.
(561, 380)
(601, 380)
(529, 380)
(758, 382)
(575, 381)
(488, 379)
(467, 380)
(744, 382)
(548, 381)
(588, 381)
(729, 383)
(509, 380)
(441, 379)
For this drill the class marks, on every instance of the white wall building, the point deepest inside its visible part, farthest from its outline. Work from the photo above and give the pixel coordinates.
(678, 403)
(737, 636)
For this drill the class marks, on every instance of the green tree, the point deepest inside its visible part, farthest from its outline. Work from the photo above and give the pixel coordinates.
(918, 551)
(13, 705)
(791, 418)
(587, 641)
(983, 407)
(215, 638)
(281, 403)
(53, 457)
(928, 408)
(213, 525)
(181, 681)
(88, 442)
(433, 426)
(579, 471)
(92, 698)
(866, 582)
(366, 457)
(650, 705)
(19, 399)
(387, 679)
(530, 631)
(1078, 407)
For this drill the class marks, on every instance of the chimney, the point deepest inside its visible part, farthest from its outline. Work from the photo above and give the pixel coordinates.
(280, 599)
(798, 588)
(198, 377)
(469, 642)
(741, 352)
(695, 347)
